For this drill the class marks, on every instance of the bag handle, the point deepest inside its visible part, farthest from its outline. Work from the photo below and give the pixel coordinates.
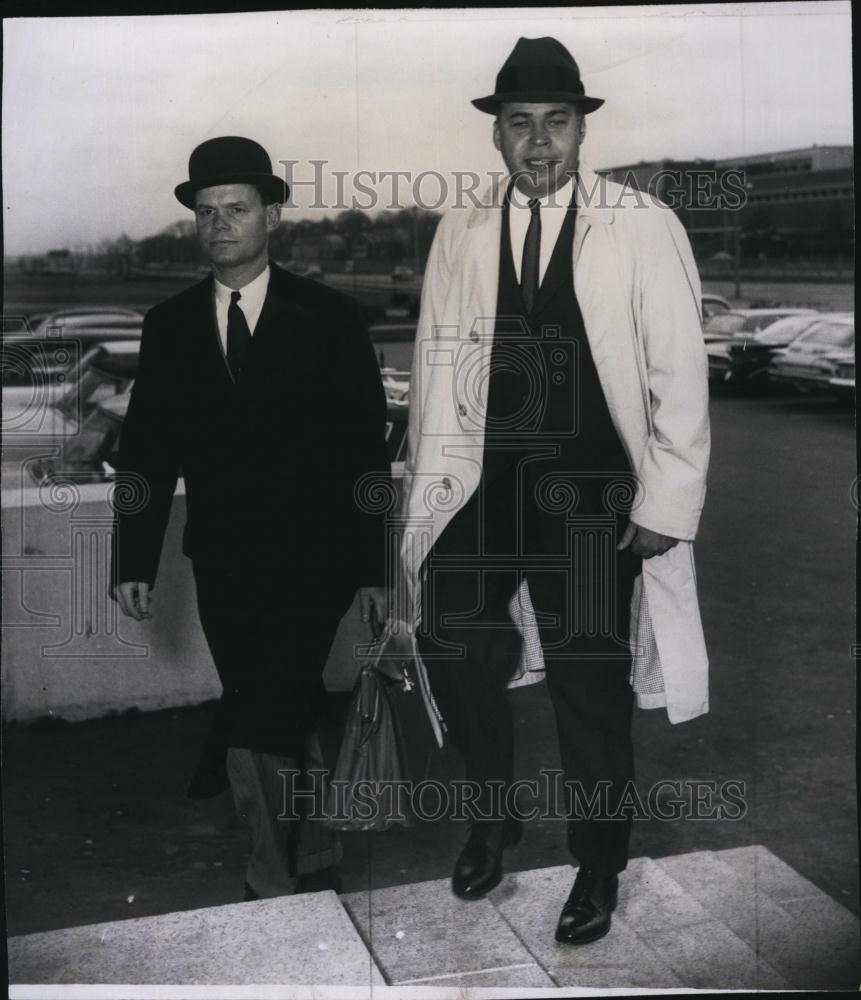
(368, 704)
(388, 655)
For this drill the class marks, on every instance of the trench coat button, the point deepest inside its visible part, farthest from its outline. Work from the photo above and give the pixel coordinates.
(473, 336)
(461, 409)
(446, 483)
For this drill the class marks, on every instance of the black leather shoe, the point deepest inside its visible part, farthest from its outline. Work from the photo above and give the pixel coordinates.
(587, 913)
(249, 895)
(479, 867)
(319, 881)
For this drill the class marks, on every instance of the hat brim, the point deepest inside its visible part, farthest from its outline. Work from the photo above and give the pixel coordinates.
(491, 104)
(274, 188)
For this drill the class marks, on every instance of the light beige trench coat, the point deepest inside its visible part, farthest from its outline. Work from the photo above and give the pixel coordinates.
(639, 294)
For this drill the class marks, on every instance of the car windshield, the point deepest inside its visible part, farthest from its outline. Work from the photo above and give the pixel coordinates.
(712, 306)
(784, 330)
(760, 321)
(725, 323)
(826, 334)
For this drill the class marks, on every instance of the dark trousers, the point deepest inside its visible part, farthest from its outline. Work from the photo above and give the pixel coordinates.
(580, 588)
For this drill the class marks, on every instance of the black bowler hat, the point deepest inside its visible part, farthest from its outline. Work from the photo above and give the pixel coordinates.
(230, 159)
(540, 70)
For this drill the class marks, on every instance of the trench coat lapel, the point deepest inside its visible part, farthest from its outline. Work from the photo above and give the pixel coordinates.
(479, 276)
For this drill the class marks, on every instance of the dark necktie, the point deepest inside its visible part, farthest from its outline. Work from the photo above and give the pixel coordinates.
(238, 336)
(529, 267)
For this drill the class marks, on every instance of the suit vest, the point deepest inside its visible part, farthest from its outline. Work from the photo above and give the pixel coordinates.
(546, 408)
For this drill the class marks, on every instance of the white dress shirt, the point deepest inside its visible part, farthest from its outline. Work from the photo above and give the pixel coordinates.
(552, 214)
(250, 302)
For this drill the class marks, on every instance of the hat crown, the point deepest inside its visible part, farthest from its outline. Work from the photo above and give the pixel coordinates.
(228, 154)
(538, 71)
(539, 64)
(231, 159)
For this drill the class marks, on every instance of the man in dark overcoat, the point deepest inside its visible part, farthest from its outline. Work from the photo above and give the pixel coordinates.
(261, 389)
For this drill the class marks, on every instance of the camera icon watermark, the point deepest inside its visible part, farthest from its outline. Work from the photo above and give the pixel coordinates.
(37, 375)
(508, 383)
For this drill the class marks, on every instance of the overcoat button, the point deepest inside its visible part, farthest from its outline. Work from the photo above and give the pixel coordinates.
(447, 483)
(461, 409)
(473, 336)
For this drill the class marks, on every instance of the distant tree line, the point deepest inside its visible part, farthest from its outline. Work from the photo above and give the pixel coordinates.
(393, 237)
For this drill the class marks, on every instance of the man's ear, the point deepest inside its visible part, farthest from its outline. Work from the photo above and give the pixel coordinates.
(273, 217)
(582, 127)
(496, 140)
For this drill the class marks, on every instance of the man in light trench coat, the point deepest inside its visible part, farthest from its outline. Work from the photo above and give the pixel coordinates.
(558, 447)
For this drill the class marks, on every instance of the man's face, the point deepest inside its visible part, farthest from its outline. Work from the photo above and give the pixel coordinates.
(540, 143)
(233, 224)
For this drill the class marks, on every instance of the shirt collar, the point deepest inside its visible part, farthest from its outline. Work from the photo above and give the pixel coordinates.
(561, 198)
(252, 293)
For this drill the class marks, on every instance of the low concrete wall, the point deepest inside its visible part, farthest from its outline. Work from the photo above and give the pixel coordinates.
(67, 650)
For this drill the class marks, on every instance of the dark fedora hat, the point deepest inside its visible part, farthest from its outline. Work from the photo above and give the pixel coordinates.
(539, 70)
(231, 159)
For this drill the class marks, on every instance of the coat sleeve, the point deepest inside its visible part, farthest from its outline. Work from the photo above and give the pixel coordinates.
(435, 285)
(672, 475)
(147, 464)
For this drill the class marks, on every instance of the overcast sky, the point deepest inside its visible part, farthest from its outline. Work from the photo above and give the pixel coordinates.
(100, 114)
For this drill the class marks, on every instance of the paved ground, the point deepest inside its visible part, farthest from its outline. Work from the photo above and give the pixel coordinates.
(97, 827)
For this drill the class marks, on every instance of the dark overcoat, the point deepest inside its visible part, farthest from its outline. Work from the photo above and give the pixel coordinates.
(278, 537)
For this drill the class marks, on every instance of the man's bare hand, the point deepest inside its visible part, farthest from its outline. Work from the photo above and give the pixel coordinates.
(644, 542)
(134, 599)
(374, 605)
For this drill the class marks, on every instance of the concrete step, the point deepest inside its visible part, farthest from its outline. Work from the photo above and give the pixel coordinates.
(531, 901)
(802, 932)
(738, 919)
(306, 939)
(422, 934)
(685, 922)
(661, 936)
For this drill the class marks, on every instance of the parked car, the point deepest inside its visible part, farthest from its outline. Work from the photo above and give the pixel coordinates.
(91, 454)
(54, 346)
(41, 420)
(90, 318)
(713, 304)
(396, 386)
(743, 360)
(815, 357)
(396, 433)
(403, 305)
(722, 326)
(842, 383)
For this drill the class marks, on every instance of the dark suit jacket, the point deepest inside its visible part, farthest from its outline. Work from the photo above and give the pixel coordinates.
(278, 541)
(270, 464)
